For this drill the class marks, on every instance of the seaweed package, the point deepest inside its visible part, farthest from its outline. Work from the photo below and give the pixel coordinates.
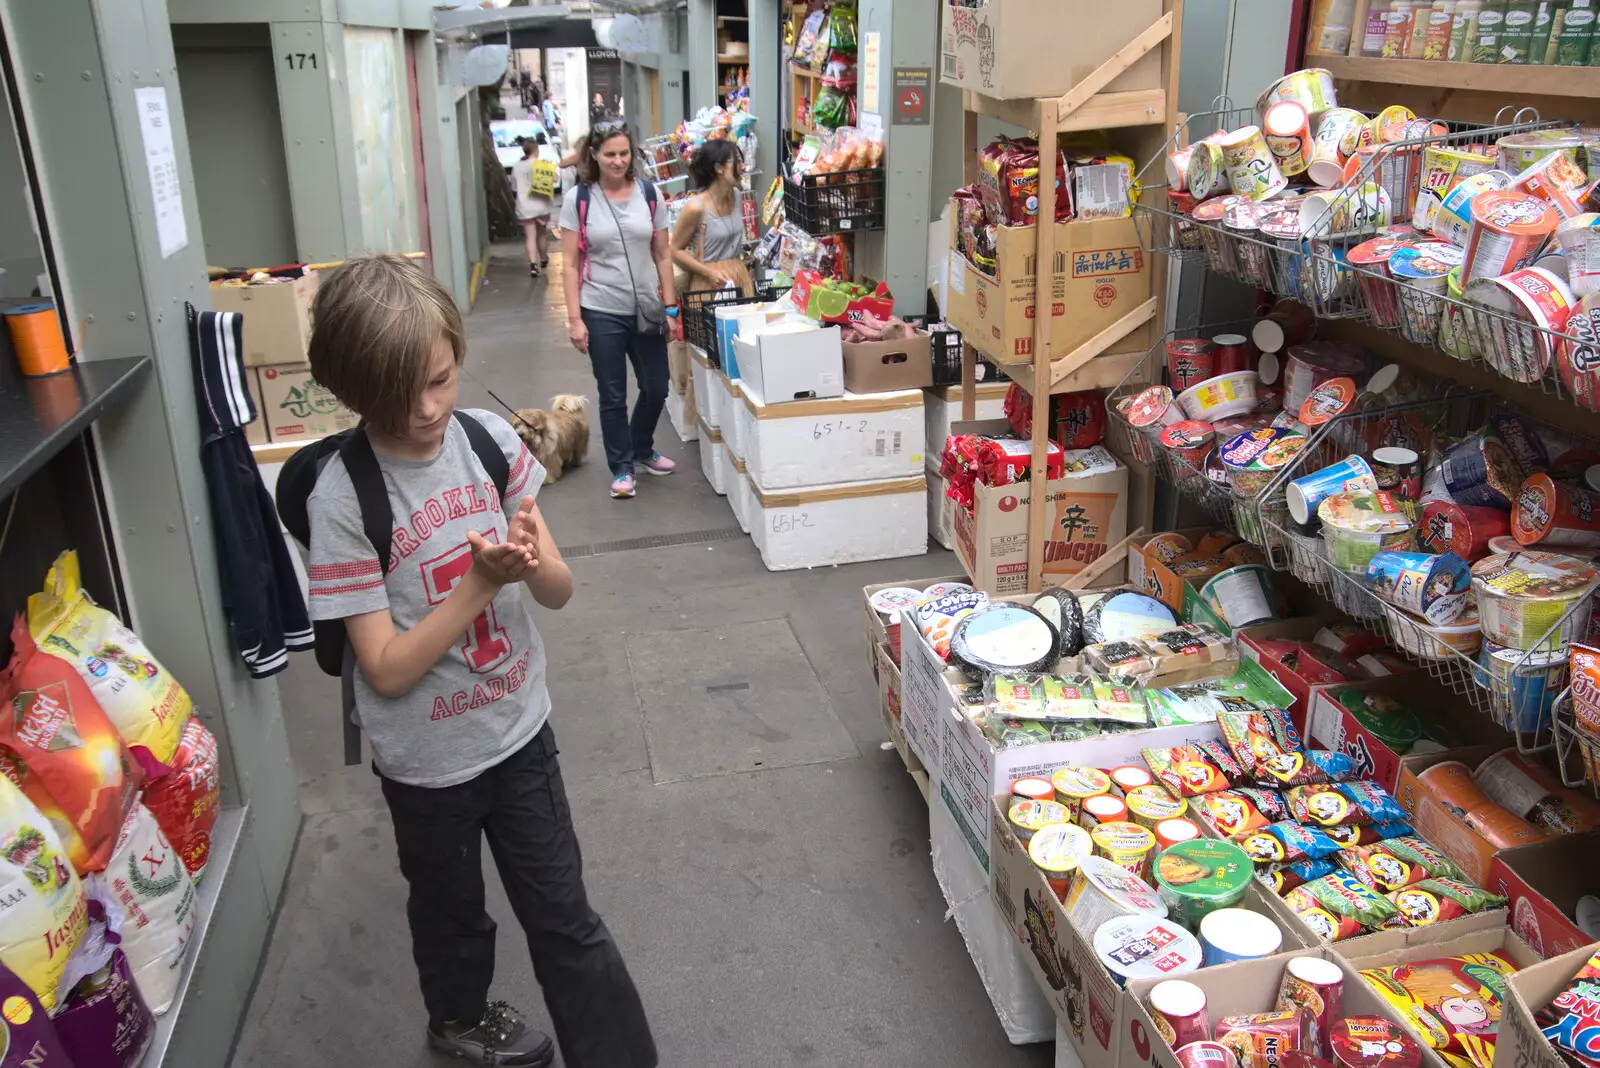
(1571, 1022)
(1344, 897)
(1281, 878)
(1379, 804)
(1011, 733)
(1121, 700)
(1452, 1002)
(1232, 813)
(1187, 770)
(1119, 658)
(1439, 899)
(1070, 698)
(1381, 868)
(1062, 609)
(1016, 696)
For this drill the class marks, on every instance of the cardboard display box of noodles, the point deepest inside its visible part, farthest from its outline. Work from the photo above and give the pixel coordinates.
(1099, 1016)
(1521, 1042)
(1542, 885)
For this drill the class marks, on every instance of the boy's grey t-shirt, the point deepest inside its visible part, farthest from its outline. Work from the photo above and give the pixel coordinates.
(486, 697)
(608, 287)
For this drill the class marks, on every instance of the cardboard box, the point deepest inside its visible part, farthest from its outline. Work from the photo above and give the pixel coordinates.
(712, 463)
(700, 386)
(678, 363)
(1521, 1042)
(256, 432)
(1146, 571)
(1484, 933)
(857, 437)
(1101, 1018)
(1014, 49)
(881, 366)
(799, 366)
(888, 634)
(298, 408)
(1436, 823)
(277, 318)
(1542, 885)
(1085, 515)
(1101, 274)
(1294, 677)
(941, 406)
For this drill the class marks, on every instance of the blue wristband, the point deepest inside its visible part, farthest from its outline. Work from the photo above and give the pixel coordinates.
(672, 310)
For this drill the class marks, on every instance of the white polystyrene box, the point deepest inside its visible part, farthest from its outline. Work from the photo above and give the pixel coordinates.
(718, 400)
(840, 524)
(687, 428)
(942, 406)
(859, 437)
(732, 418)
(711, 460)
(700, 373)
(941, 512)
(739, 495)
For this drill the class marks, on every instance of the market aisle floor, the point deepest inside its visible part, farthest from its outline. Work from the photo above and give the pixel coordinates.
(777, 916)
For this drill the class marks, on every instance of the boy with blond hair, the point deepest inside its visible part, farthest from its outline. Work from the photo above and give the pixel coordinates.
(449, 677)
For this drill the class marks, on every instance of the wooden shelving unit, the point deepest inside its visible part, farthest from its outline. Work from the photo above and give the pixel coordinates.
(731, 28)
(1086, 106)
(1471, 77)
(806, 83)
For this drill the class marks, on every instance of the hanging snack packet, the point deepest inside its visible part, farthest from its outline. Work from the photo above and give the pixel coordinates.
(1380, 868)
(1016, 696)
(1189, 770)
(1437, 900)
(1324, 806)
(1571, 1022)
(1231, 813)
(1121, 700)
(1374, 800)
(937, 617)
(1281, 878)
(1343, 896)
(1452, 1002)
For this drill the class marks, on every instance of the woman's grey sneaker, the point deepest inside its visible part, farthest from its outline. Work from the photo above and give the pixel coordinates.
(499, 1040)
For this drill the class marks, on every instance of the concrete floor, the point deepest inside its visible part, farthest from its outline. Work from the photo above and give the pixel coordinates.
(781, 916)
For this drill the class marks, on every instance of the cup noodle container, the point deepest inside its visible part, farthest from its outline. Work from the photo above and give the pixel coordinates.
(1378, 292)
(1152, 409)
(1350, 475)
(1244, 229)
(1287, 128)
(1228, 935)
(1455, 333)
(1190, 360)
(1339, 132)
(1395, 169)
(1533, 304)
(1233, 354)
(1420, 273)
(1311, 88)
(1221, 255)
(1357, 526)
(1443, 168)
(1189, 441)
(1206, 1054)
(1178, 1009)
(1557, 181)
(1206, 173)
(1464, 529)
(1220, 397)
(1522, 596)
(1313, 363)
(1287, 322)
(1354, 210)
(1507, 229)
(1517, 152)
(1240, 596)
(1578, 363)
(1552, 515)
(1252, 171)
(1453, 219)
(1579, 238)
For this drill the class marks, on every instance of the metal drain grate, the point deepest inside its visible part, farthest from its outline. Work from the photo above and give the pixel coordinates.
(655, 541)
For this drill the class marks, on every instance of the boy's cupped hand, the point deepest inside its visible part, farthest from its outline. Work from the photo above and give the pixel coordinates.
(500, 562)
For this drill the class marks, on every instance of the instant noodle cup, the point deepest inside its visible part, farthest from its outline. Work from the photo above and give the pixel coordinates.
(1372, 277)
(1420, 273)
(1369, 1041)
(1522, 596)
(1190, 360)
(1129, 777)
(1205, 1055)
(1452, 785)
(1287, 129)
(1206, 173)
(1233, 353)
(1170, 832)
(1178, 1009)
(1287, 322)
(1313, 363)
(1198, 877)
(1391, 123)
(1143, 947)
(1455, 339)
(1584, 661)
(1315, 987)
(1534, 296)
(1507, 228)
(1254, 458)
(1056, 850)
(1243, 226)
(1252, 171)
(1028, 818)
(1102, 808)
(1351, 475)
(1465, 530)
(1221, 251)
(1350, 210)
(1428, 642)
(1578, 362)
(1219, 397)
(1153, 407)
(1528, 682)
(1338, 134)
(1228, 935)
(1453, 219)
(1032, 789)
(1149, 805)
(1189, 441)
(1165, 548)
(1311, 88)
(1240, 596)
(1327, 400)
(1443, 168)
(1557, 181)
(1579, 238)
(1072, 785)
(1103, 890)
(1127, 845)
(1517, 152)
(1554, 515)
(1480, 471)
(1433, 587)
(1357, 526)
(1262, 1039)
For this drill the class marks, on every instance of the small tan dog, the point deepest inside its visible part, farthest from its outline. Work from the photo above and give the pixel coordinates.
(558, 438)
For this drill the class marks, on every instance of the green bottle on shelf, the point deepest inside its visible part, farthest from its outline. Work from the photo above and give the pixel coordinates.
(1572, 33)
(1491, 24)
(1516, 38)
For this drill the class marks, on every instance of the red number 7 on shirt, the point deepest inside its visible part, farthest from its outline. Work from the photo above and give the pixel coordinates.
(485, 645)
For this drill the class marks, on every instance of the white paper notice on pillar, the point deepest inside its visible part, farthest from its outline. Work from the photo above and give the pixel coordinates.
(871, 49)
(161, 159)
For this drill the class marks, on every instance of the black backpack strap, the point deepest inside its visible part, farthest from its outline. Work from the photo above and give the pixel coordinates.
(377, 518)
(490, 454)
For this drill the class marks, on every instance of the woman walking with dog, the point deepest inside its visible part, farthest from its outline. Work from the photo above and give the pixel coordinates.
(708, 242)
(621, 296)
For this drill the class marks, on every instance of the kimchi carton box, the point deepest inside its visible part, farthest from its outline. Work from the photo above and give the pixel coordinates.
(1434, 821)
(1099, 274)
(1485, 933)
(1014, 49)
(1542, 885)
(1084, 515)
(1104, 1021)
(1521, 1042)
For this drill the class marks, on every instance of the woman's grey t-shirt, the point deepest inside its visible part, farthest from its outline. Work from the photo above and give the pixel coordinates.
(608, 287)
(724, 234)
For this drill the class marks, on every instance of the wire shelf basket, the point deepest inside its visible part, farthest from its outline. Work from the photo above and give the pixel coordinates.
(1577, 750)
(1516, 688)
(1310, 248)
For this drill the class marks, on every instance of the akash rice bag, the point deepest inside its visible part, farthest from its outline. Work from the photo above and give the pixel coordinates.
(43, 910)
(74, 765)
(143, 700)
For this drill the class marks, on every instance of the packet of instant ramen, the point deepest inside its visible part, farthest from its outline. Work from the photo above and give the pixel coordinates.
(1324, 806)
(1452, 1002)
(1189, 770)
(1437, 900)
(1344, 896)
(937, 617)
(1571, 1022)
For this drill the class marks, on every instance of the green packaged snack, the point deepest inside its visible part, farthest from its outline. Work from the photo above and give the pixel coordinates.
(1436, 900)
(1395, 725)
(1017, 696)
(1344, 896)
(1070, 698)
(1121, 700)
(1426, 854)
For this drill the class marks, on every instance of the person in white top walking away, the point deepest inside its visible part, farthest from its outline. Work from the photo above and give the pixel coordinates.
(536, 188)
